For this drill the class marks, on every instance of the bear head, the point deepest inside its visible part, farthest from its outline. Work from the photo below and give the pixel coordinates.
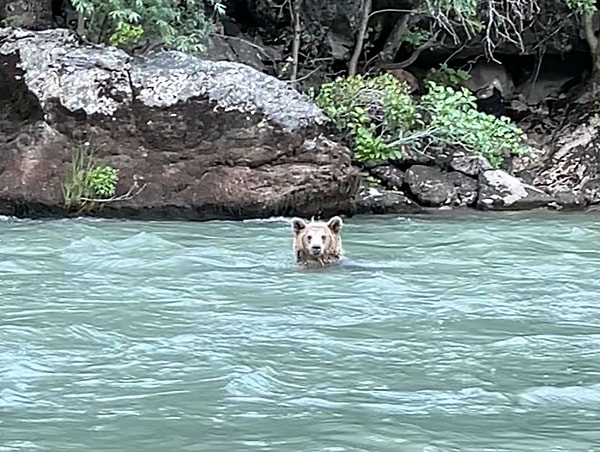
(317, 243)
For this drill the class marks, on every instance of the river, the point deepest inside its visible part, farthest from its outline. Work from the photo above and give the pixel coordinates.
(450, 333)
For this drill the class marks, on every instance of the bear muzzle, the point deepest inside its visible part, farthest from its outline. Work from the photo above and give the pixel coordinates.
(316, 250)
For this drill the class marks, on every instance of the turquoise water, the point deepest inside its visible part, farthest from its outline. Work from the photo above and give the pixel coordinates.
(478, 333)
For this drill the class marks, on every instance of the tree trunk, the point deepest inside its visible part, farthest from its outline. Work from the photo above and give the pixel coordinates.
(592, 40)
(31, 14)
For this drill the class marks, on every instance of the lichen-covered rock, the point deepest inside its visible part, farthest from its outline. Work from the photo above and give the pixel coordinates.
(435, 188)
(205, 139)
(499, 190)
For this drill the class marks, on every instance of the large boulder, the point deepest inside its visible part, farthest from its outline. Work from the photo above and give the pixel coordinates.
(201, 139)
(436, 188)
(499, 190)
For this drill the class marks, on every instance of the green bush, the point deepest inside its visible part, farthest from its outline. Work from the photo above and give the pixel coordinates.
(177, 24)
(455, 119)
(381, 117)
(444, 75)
(85, 182)
(373, 111)
(102, 181)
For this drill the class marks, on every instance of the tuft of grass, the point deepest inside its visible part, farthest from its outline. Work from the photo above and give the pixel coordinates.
(85, 181)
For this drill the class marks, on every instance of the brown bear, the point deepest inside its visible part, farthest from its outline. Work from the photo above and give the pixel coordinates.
(318, 243)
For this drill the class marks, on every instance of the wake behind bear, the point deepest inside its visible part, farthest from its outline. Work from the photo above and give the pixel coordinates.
(317, 243)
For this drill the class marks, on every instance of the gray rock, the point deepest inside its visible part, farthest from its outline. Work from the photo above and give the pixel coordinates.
(591, 191)
(435, 188)
(206, 139)
(410, 157)
(392, 178)
(499, 190)
(572, 163)
(471, 165)
(381, 202)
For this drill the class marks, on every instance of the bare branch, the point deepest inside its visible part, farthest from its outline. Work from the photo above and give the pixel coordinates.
(391, 10)
(305, 76)
(127, 196)
(295, 13)
(411, 59)
(394, 40)
(360, 38)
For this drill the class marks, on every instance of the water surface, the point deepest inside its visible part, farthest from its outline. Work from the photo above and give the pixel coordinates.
(478, 333)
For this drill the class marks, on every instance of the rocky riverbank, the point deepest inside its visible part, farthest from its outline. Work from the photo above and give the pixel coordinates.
(562, 171)
(197, 139)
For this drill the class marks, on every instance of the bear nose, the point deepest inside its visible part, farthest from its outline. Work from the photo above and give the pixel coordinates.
(316, 247)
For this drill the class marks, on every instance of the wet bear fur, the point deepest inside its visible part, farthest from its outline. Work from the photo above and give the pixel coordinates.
(317, 243)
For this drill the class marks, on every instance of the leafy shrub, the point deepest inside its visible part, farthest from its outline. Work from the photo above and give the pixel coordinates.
(102, 181)
(373, 111)
(455, 119)
(381, 117)
(85, 181)
(176, 24)
(444, 75)
(582, 6)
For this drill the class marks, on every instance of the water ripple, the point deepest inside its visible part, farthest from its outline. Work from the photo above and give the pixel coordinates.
(437, 334)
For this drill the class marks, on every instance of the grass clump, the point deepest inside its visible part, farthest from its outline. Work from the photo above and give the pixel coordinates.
(86, 182)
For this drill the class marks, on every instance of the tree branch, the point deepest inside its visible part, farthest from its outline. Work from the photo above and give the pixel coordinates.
(295, 13)
(129, 195)
(394, 40)
(360, 38)
(411, 59)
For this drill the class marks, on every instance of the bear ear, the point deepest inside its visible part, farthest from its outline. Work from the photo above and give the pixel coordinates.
(335, 224)
(298, 224)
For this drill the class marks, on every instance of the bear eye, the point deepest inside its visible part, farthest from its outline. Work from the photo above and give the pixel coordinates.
(323, 237)
(309, 238)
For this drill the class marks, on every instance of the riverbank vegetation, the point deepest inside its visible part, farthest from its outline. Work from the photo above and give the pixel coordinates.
(380, 114)
(344, 52)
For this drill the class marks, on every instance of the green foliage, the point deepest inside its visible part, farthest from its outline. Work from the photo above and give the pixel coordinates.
(380, 117)
(103, 181)
(12, 21)
(373, 111)
(126, 34)
(582, 6)
(176, 24)
(456, 120)
(444, 75)
(416, 37)
(462, 8)
(84, 181)
(460, 11)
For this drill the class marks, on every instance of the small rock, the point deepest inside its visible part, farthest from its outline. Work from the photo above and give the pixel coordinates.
(499, 190)
(591, 191)
(471, 165)
(435, 188)
(370, 164)
(391, 177)
(412, 157)
(566, 199)
(375, 201)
